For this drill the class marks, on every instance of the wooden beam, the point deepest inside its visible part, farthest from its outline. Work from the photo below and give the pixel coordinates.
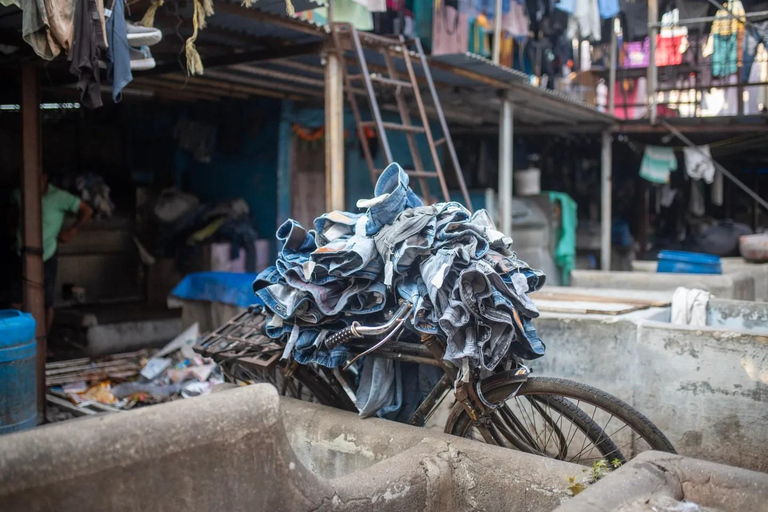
(278, 87)
(219, 84)
(278, 75)
(194, 88)
(32, 220)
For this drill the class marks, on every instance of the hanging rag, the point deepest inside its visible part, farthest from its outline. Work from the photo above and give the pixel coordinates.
(565, 250)
(118, 51)
(689, 307)
(699, 164)
(87, 47)
(658, 162)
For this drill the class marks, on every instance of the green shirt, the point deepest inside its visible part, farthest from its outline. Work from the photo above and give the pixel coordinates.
(56, 204)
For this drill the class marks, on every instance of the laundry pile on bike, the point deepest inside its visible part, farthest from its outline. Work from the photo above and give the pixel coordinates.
(459, 273)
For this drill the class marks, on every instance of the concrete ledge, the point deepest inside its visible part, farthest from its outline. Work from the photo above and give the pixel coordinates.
(230, 451)
(654, 478)
(735, 285)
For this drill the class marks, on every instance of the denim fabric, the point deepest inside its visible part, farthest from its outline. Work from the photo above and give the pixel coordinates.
(410, 236)
(481, 320)
(296, 245)
(457, 270)
(380, 389)
(334, 225)
(394, 183)
(308, 351)
(348, 256)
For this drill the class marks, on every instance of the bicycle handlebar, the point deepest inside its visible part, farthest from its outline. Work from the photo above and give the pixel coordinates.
(356, 330)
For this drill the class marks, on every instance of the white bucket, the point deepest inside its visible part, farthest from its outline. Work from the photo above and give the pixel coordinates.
(528, 182)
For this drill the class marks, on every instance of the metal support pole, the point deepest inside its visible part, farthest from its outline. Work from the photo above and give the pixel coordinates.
(606, 164)
(653, 76)
(334, 133)
(497, 33)
(612, 70)
(31, 219)
(506, 159)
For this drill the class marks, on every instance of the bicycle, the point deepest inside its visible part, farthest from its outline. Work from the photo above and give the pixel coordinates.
(546, 416)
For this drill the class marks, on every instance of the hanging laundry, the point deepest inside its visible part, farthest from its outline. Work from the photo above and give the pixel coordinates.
(516, 21)
(658, 162)
(584, 20)
(608, 8)
(636, 14)
(373, 5)
(118, 52)
(87, 45)
(699, 164)
(450, 30)
(727, 39)
(696, 199)
(48, 25)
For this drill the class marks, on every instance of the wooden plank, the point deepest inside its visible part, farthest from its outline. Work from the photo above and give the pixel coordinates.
(597, 298)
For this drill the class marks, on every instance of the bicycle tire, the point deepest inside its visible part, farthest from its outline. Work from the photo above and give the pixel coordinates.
(500, 386)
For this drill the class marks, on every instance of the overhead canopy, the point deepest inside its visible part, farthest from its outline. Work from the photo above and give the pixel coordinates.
(261, 52)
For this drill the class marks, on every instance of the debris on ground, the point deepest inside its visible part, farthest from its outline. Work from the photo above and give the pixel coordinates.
(85, 386)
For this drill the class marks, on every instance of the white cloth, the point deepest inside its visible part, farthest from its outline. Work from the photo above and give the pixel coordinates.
(689, 307)
(698, 163)
(585, 21)
(373, 5)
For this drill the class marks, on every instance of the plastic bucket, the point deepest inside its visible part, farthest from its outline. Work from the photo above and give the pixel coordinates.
(18, 371)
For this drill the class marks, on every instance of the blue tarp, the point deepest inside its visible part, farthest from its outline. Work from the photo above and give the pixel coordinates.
(224, 287)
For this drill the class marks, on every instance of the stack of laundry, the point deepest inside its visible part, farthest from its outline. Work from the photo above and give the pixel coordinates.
(460, 274)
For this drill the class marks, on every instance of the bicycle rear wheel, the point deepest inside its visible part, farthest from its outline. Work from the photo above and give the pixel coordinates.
(561, 419)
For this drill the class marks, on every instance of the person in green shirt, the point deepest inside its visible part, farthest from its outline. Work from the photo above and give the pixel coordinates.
(56, 204)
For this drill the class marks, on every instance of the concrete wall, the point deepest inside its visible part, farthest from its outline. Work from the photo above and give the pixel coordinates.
(737, 285)
(706, 388)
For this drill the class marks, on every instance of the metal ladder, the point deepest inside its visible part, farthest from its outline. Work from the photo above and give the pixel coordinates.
(346, 37)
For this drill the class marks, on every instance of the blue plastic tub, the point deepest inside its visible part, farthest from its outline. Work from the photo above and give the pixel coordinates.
(18, 371)
(682, 262)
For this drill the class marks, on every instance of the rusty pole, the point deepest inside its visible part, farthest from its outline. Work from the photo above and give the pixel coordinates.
(31, 218)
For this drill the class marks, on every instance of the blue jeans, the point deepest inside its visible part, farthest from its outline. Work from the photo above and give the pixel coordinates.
(393, 182)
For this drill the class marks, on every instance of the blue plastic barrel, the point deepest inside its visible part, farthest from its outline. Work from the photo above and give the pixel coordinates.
(683, 262)
(18, 371)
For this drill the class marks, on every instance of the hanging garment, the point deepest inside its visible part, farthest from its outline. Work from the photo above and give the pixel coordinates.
(47, 26)
(585, 20)
(728, 39)
(696, 199)
(608, 8)
(716, 194)
(689, 307)
(565, 250)
(87, 46)
(636, 13)
(118, 52)
(450, 30)
(373, 5)
(516, 21)
(755, 36)
(698, 163)
(658, 162)
(478, 36)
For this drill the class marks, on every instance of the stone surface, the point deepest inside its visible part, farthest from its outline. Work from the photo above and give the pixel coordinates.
(654, 481)
(736, 285)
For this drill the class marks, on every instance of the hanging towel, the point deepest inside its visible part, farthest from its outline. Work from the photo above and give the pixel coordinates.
(565, 251)
(658, 162)
(699, 164)
(689, 307)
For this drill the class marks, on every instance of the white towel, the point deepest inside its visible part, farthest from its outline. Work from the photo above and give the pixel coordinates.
(689, 307)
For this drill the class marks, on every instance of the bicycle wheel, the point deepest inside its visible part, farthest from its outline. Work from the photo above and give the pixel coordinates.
(561, 419)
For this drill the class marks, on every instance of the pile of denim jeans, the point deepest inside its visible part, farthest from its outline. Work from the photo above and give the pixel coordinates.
(459, 273)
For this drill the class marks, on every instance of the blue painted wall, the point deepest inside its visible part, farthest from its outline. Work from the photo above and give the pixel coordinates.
(249, 172)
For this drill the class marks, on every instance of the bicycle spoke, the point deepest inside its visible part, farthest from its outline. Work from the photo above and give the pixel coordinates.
(596, 443)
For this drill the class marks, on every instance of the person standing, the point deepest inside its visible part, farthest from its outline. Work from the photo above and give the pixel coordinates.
(56, 204)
